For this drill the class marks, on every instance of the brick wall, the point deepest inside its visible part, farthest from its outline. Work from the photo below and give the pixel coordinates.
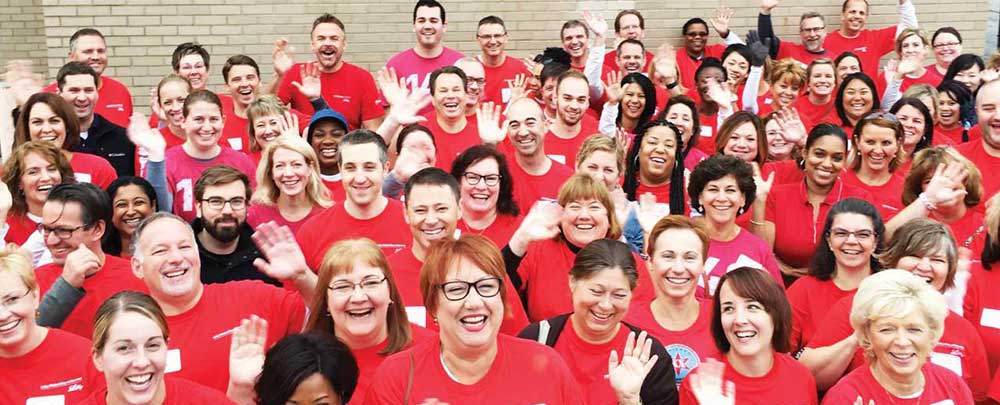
(142, 33)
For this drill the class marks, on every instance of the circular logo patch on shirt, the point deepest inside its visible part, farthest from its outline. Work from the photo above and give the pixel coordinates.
(684, 359)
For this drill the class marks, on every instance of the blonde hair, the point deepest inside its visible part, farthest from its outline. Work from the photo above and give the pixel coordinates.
(788, 70)
(15, 261)
(267, 192)
(262, 107)
(906, 33)
(602, 143)
(895, 294)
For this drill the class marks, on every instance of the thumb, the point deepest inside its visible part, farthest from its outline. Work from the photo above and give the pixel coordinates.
(298, 86)
(262, 265)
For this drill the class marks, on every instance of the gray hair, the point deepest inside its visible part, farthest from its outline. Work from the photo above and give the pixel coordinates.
(139, 230)
(895, 294)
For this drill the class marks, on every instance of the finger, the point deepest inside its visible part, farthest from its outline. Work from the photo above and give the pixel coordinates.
(629, 344)
(649, 364)
(262, 265)
(612, 361)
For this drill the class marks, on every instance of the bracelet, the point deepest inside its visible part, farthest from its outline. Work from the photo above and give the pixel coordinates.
(930, 206)
(758, 223)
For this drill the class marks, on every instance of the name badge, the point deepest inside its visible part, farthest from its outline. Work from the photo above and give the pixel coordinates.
(235, 143)
(48, 400)
(990, 318)
(948, 361)
(945, 402)
(82, 177)
(558, 158)
(706, 130)
(505, 95)
(173, 361)
(417, 315)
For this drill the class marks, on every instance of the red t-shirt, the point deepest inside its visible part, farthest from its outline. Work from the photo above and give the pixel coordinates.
(694, 156)
(588, 362)
(960, 349)
(788, 382)
(688, 65)
(811, 300)
(796, 232)
(970, 231)
(336, 187)
(982, 309)
(370, 358)
(940, 387)
(450, 144)
(529, 188)
(234, 133)
(183, 172)
(388, 229)
(259, 214)
(564, 150)
(800, 53)
(928, 78)
(92, 169)
(55, 371)
(498, 79)
(544, 270)
(500, 231)
(745, 250)
(611, 61)
(888, 197)
(523, 372)
(179, 391)
(709, 128)
(987, 164)
(869, 45)
(196, 355)
(350, 91)
(406, 271)
(686, 347)
(114, 276)
(114, 101)
(21, 228)
(417, 69)
(812, 114)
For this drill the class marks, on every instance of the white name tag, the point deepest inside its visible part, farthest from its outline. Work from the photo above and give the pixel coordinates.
(706, 130)
(236, 143)
(505, 95)
(82, 177)
(945, 402)
(173, 361)
(990, 318)
(558, 158)
(417, 315)
(948, 361)
(49, 400)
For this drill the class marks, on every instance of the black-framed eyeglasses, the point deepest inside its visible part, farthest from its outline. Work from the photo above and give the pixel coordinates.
(344, 287)
(11, 301)
(862, 235)
(61, 233)
(458, 290)
(218, 203)
(491, 37)
(474, 178)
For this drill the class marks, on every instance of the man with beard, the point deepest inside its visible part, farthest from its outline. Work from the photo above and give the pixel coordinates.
(500, 68)
(985, 153)
(224, 238)
(812, 34)
(347, 88)
(429, 54)
(695, 47)
(629, 24)
(536, 176)
(432, 211)
(869, 45)
(572, 124)
(78, 84)
(87, 45)
(475, 77)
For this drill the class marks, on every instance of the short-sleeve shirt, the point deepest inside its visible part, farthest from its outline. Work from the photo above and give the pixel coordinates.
(92, 169)
(350, 91)
(688, 65)
(388, 229)
(450, 144)
(178, 391)
(259, 214)
(869, 45)
(788, 382)
(564, 150)
(56, 371)
(687, 348)
(745, 250)
(940, 387)
(417, 69)
(982, 309)
(499, 78)
(183, 172)
(114, 101)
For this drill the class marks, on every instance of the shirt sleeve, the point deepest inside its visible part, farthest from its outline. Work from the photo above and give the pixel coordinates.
(285, 90)
(58, 303)
(371, 105)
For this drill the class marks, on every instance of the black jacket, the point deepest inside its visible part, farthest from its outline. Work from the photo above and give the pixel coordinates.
(658, 388)
(234, 266)
(110, 142)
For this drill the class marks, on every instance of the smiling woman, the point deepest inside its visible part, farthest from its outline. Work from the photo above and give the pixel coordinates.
(290, 190)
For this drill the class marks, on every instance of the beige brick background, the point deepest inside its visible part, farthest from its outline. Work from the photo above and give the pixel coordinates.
(142, 33)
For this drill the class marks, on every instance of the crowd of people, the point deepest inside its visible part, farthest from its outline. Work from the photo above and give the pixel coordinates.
(751, 220)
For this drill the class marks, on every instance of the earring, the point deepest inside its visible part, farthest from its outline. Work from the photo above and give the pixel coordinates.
(700, 209)
(740, 211)
(435, 320)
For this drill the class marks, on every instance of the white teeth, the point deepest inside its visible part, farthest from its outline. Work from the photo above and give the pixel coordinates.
(480, 196)
(175, 274)
(658, 160)
(472, 320)
(45, 187)
(48, 138)
(906, 356)
(678, 280)
(134, 221)
(601, 317)
(9, 326)
(432, 232)
(360, 313)
(139, 379)
(585, 227)
(745, 334)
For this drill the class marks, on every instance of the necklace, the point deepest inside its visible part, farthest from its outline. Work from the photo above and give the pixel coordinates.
(446, 370)
(892, 396)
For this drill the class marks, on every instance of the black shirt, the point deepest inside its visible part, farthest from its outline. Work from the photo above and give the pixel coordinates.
(110, 142)
(234, 266)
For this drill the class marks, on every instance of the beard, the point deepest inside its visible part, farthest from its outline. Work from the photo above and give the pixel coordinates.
(225, 228)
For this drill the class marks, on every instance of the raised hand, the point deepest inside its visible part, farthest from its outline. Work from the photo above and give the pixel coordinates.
(311, 87)
(491, 131)
(80, 263)
(290, 124)
(409, 161)
(907, 66)
(720, 21)
(890, 69)
(146, 138)
(154, 104)
(596, 23)
(665, 62)
(6, 200)
(768, 5)
(650, 212)
(759, 49)
(623, 138)
(720, 94)
(542, 222)
(613, 87)
(626, 376)
(246, 351)
(989, 75)
(282, 56)
(518, 87)
(947, 183)
(392, 87)
(792, 128)
(709, 386)
(23, 81)
(283, 257)
(763, 186)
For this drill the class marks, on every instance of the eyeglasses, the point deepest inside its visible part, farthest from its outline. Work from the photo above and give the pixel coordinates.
(61, 233)
(863, 235)
(10, 302)
(218, 203)
(480, 82)
(947, 44)
(344, 288)
(491, 37)
(473, 179)
(458, 290)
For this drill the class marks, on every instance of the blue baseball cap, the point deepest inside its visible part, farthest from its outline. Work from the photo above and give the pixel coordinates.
(325, 114)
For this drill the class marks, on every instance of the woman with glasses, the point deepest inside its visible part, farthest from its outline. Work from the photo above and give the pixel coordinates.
(898, 318)
(947, 44)
(471, 362)
(486, 191)
(34, 357)
(878, 153)
(601, 280)
(852, 236)
(32, 170)
(925, 248)
(357, 301)
(289, 190)
(130, 349)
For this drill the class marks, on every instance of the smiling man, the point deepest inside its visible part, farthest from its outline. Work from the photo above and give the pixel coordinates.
(985, 152)
(428, 54)
(572, 124)
(500, 68)
(869, 44)
(87, 45)
(629, 24)
(78, 83)
(453, 133)
(536, 176)
(812, 35)
(432, 211)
